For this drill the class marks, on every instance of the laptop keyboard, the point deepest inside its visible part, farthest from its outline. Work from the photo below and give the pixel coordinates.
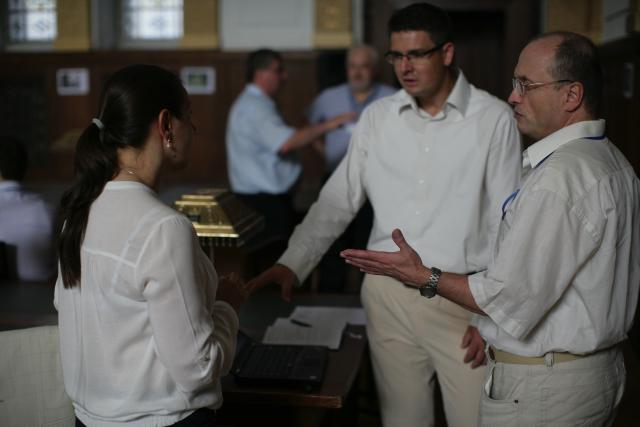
(272, 361)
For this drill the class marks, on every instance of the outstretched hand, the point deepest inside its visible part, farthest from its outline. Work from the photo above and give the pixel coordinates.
(404, 265)
(278, 274)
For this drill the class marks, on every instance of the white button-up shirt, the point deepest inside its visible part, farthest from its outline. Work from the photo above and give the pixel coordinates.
(142, 339)
(566, 268)
(26, 227)
(439, 179)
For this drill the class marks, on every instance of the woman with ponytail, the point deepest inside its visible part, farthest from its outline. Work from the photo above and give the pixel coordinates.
(146, 329)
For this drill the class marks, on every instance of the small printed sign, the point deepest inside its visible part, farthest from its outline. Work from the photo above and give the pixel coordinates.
(199, 80)
(72, 81)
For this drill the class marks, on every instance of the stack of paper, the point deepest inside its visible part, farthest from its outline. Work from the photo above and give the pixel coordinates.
(319, 315)
(313, 326)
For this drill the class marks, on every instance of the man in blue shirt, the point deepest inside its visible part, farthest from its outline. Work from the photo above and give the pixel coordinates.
(360, 90)
(261, 147)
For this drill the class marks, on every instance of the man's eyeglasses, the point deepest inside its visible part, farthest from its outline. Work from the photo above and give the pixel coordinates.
(522, 87)
(413, 56)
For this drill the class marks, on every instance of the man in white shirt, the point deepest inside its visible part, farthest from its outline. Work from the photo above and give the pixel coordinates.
(261, 147)
(437, 158)
(561, 290)
(26, 220)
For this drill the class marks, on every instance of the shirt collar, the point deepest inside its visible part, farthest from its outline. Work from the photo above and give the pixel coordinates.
(10, 185)
(539, 151)
(458, 97)
(255, 90)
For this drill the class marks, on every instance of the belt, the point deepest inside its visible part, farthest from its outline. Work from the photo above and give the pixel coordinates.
(506, 357)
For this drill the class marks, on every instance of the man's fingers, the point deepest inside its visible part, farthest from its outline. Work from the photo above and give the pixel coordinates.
(466, 340)
(399, 239)
(364, 254)
(469, 355)
(479, 359)
(258, 282)
(361, 262)
(285, 292)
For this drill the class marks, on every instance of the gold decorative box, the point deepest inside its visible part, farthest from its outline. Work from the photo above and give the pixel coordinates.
(219, 218)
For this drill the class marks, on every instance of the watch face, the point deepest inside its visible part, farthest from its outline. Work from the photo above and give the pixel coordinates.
(428, 291)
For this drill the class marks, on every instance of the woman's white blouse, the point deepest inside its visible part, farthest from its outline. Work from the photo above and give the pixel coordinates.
(143, 341)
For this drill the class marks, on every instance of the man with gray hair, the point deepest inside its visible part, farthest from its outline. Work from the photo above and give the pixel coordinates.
(561, 290)
(360, 90)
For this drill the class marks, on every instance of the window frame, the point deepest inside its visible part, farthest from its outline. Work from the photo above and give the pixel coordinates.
(23, 46)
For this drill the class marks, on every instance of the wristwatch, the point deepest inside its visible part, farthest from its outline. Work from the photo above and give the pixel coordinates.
(430, 289)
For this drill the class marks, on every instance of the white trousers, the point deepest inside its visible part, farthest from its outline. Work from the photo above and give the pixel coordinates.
(413, 338)
(583, 392)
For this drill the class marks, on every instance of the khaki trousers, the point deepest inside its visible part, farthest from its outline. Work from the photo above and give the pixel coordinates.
(583, 392)
(412, 339)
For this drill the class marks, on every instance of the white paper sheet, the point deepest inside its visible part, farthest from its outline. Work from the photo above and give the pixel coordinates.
(283, 331)
(320, 315)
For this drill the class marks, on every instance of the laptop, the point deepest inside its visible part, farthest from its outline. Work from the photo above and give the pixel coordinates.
(273, 365)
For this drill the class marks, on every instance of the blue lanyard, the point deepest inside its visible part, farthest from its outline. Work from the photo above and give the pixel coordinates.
(515, 193)
(507, 201)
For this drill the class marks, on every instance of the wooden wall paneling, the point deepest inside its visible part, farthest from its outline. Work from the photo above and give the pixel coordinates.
(67, 116)
(377, 14)
(522, 22)
(479, 41)
(622, 111)
(580, 16)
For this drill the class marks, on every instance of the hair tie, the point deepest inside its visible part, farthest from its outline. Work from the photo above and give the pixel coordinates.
(98, 123)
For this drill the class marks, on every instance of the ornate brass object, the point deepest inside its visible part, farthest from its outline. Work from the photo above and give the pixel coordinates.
(219, 218)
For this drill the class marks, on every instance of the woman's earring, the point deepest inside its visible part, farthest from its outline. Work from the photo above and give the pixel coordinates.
(170, 145)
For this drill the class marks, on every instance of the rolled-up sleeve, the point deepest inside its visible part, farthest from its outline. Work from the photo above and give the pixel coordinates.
(270, 129)
(195, 345)
(536, 261)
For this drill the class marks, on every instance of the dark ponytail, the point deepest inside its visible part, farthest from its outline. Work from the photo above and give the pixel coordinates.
(131, 101)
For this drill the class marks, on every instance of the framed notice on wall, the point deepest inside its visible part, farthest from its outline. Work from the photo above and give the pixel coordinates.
(199, 80)
(72, 81)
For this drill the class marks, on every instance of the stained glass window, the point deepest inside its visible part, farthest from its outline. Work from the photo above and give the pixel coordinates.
(32, 20)
(152, 19)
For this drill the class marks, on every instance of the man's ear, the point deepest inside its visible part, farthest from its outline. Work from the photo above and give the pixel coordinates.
(448, 50)
(574, 97)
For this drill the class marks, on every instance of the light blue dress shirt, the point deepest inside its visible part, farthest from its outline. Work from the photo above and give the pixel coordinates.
(255, 133)
(338, 100)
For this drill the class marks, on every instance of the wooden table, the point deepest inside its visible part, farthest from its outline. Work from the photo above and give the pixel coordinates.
(245, 405)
